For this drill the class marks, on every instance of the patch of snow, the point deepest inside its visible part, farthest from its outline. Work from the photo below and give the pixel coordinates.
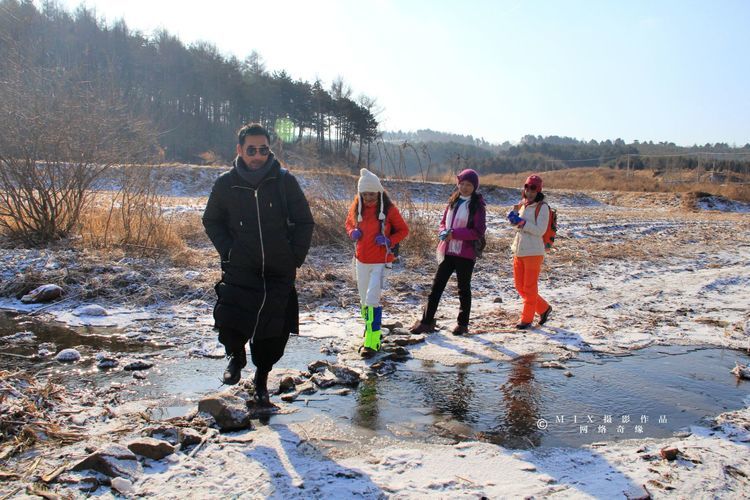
(115, 317)
(19, 336)
(91, 310)
(721, 204)
(208, 350)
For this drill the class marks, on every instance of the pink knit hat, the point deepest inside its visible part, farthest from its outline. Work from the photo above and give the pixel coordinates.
(469, 175)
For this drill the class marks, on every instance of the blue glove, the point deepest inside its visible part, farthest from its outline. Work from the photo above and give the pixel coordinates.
(444, 234)
(382, 240)
(356, 234)
(513, 217)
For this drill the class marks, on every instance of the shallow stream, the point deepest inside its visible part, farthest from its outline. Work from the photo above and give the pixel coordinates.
(654, 392)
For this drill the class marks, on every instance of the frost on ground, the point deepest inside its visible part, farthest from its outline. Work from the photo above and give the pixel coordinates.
(623, 277)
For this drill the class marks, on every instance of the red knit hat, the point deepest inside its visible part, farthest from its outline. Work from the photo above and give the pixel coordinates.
(534, 180)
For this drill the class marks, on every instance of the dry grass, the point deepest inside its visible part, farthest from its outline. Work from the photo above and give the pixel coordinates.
(692, 233)
(327, 168)
(420, 244)
(188, 227)
(419, 247)
(148, 233)
(329, 211)
(607, 179)
(23, 283)
(30, 414)
(307, 157)
(138, 225)
(211, 158)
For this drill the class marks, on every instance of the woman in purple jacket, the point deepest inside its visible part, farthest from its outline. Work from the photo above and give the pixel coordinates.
(463, 225)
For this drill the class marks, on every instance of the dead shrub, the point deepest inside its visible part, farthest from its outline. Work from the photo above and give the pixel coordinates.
(59, 137)
(738, 192)
(132, 218)
(689, 200)
(190, 258)
(329, 212)
(147, 234)
(419, 247)
(23, 283)
(211, 158)
(189, 227)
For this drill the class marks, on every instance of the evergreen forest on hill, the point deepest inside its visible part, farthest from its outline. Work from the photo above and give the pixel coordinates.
(194, 97)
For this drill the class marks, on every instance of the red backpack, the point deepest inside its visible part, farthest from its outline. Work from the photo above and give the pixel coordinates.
(549, 235)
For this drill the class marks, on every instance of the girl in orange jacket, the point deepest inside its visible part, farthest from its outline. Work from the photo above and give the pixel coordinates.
(376, 226)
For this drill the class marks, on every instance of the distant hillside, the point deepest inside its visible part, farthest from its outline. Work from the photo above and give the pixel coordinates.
(416, 153)
(427, 135)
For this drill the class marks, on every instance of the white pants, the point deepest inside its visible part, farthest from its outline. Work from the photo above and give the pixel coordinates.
(371, 282)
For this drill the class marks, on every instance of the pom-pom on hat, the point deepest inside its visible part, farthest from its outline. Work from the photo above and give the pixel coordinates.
(534, 180)
(469, 175)
(369, 183)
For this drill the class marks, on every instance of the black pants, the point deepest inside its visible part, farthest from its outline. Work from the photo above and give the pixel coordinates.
(264, 352)
(464, 269)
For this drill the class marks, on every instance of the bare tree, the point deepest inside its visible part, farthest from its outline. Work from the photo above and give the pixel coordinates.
(60, 135)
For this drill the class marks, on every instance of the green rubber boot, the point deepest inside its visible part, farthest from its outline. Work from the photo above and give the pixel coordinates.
(372, 330)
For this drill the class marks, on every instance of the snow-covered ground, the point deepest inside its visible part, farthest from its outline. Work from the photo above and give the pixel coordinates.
(623, 277)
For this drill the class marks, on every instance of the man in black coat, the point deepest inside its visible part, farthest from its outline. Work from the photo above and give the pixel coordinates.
(260, 223)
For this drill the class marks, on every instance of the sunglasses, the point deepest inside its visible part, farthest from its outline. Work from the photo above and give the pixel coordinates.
(529, 187)
(263, 150)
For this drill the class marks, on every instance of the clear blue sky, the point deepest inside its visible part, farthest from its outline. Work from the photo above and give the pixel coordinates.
(671, 70)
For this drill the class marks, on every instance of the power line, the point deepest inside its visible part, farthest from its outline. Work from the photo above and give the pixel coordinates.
(645, 155)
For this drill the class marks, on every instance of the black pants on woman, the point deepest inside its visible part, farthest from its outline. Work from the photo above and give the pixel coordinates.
(464, 269)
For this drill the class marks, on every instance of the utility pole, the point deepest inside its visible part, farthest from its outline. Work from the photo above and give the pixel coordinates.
(627, 169)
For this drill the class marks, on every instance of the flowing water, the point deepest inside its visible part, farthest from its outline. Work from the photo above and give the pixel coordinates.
(653, 393)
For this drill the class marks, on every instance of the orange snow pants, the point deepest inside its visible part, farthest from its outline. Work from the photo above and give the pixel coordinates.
(526, 276)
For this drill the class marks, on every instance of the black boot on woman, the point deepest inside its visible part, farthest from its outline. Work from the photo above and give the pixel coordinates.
(261, 397)
(237, 361)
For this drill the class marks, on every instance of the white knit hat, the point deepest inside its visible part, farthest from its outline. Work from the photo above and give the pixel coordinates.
(369, 183)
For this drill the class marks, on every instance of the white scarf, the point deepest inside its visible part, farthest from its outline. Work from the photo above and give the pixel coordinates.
(458, 219)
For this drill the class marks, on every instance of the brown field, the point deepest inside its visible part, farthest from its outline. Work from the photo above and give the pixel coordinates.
(735, 186)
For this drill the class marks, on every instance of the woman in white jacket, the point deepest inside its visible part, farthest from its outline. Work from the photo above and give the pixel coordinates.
(530, 219)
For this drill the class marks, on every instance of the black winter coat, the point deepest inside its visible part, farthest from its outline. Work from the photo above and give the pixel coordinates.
(259, 254)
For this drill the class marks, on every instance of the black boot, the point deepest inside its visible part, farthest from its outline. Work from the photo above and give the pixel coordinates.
(237, 361)
(460, 330)
(261, 397)
(545, 316)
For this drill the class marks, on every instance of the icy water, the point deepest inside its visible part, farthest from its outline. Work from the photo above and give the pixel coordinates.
(653, 393)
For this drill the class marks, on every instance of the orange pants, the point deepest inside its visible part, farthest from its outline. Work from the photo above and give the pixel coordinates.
(526, 276)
